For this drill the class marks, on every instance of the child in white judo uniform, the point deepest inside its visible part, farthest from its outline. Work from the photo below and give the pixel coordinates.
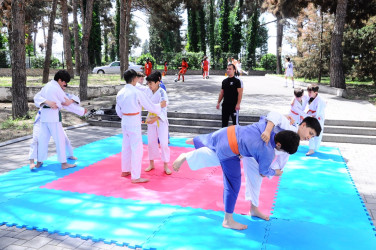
(129, 102)
(298, 106)
(234, 141)
(289, 71)
(316, 109)
(205, 157)
(40, 101)
(157, 125)
(50, 119)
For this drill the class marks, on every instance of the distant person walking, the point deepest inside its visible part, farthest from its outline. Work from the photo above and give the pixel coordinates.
(148, 67)
(231, 93)
(165, 68)
(183, 69)
(205, 68)
(289, 71)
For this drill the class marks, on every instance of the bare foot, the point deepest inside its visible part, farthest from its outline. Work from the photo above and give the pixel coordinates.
(229, 222)
(189, 141)
(32, 165)
(72, 158)
(149, 168)
(310, 152)
(125, 174)
(257, 213)
(67, 165)
(140, 180)
(39, 164)
(178, 162)
(167, 171)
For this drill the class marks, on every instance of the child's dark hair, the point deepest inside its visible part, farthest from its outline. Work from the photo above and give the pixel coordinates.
(129, 75)
(313, 87)
(289, 141)
(62, 75)
(153, 77)
(313, 123)
(140, 74)
(288, 59)
(298, 92)
(158, 74)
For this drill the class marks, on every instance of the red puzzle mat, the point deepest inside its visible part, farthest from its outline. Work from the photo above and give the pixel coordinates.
(187, 188)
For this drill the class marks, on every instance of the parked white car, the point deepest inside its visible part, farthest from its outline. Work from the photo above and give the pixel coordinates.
(114, 68)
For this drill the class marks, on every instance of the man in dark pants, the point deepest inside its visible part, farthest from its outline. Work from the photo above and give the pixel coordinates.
(231, 93)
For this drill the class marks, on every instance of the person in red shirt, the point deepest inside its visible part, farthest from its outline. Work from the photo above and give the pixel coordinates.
(205, 66)
(183, 69)
(148, 67)
(165, 68)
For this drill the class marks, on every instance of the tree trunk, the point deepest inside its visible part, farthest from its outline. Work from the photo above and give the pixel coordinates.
(211, 32)
(279, 43)
(123, 6)
(127, 23)
(299, 36)
(76, 39)
(321, 44)
(67, 38)
(19, 94)
(84, 49)
(337, 76)
(47, 59)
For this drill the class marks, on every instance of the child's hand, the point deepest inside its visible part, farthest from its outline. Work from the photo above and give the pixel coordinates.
(292, 121)
(67, 102)
(163, 104)
(278, 172)
(51, 104)
(152, 119)
(265, 136)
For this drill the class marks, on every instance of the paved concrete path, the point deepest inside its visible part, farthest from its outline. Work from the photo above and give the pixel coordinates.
(262, 94)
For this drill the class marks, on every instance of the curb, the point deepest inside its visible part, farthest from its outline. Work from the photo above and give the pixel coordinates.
(26, 137)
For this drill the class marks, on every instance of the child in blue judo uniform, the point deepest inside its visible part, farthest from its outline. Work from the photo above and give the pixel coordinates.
(233, 142)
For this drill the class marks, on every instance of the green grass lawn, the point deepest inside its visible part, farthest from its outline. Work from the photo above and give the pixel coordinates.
(93, 80)
(326, 81)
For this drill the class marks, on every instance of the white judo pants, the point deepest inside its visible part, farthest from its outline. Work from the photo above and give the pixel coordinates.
(314, 142)
(202, 158)
(131, 154)
(160, 131)
(54, 129)
(33, 152)
(253, 180)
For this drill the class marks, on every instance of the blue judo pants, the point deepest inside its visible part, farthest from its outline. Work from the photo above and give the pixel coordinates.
(231, 182)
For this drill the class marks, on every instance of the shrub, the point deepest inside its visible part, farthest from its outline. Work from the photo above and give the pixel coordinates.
(269, 62)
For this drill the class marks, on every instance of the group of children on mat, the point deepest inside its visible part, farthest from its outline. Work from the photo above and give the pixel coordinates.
(264, 146)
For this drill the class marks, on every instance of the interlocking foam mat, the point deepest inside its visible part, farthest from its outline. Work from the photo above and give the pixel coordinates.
(316, 204)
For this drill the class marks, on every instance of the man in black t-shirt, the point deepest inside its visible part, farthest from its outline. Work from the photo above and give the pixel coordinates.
(231, 93)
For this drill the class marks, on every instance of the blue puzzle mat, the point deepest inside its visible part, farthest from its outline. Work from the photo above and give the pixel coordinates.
(317, 207)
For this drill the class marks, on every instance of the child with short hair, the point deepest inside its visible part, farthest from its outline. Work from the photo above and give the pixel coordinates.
(129, 102)
(316, 109)
(298, 106)
(157, 125)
